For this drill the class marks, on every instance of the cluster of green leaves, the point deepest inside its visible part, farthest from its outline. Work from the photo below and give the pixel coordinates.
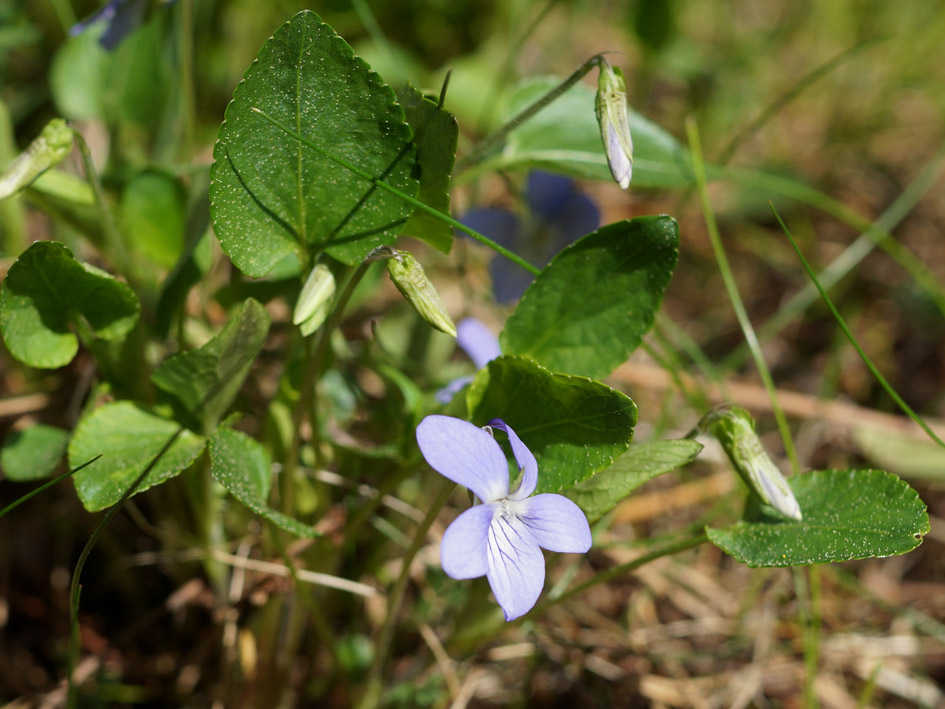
(319, 161)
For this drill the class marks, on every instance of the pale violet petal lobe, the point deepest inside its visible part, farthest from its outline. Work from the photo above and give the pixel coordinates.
(556, 523)
(526, 461)
(464, 549)
(465, 454)
(446, 394)
(620, 165)
(516, 566)
(477, 341)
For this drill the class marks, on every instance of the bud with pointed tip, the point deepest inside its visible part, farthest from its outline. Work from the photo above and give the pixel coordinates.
(412, 282)
(47, 150)
(734, 429)
(314, 301)
(612, 116)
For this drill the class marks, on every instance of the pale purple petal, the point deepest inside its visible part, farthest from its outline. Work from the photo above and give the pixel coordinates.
(465, 454)
(527, 464)
(620, 166)
(464, 549)
(446, 394)
(556, 523)
(516, 566)
(477, 341)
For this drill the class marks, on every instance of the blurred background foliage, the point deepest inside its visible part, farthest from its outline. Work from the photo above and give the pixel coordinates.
(704, 633)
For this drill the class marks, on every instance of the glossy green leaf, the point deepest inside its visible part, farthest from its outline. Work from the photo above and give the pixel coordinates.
(47, 292)
(848, 514)
(272, 196)
(206, 380)
(152, 213)
(34, 453)
(564, 137)
(590, 307)
(435, 133)
(574, 426)
(601, 493)
(242, 466)
(128, 438)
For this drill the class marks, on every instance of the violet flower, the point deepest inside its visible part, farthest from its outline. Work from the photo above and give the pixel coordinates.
(557, 215)
(502, 537)
(482, 346)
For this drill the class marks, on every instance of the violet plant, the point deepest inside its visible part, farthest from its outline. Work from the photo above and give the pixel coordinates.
(319, 167)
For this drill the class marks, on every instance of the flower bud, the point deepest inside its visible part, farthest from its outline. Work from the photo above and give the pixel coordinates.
(408, 275)
(612, 115)
(734, 429)
(314, 301)
(47, 150)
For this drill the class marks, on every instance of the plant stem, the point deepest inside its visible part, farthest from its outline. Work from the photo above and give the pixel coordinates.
(515, 258)
(112, 238)
(615, 572)
(493, 140)
(849, 335)
(731, 288)
(374, 686)
(185, 39)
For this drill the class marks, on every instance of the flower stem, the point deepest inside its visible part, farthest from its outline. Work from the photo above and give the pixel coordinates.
(515, 258)
(495, 139)
(698, 166)
(614, 572)
(112, 237)
(374, 687)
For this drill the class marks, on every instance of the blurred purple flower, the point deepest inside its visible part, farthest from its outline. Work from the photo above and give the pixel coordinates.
(480, 344)
(120, 18)
(501, 538)
(557, 215)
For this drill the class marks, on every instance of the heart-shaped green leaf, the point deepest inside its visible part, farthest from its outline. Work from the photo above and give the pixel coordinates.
(435, 133)
(242, 466)
(206, 380)
(848, 514)
(272, 196)
(574, 426)
(590, 307)
(564, 137)
(46, 291)
(601, 493)
(34, 453)
(128, 439)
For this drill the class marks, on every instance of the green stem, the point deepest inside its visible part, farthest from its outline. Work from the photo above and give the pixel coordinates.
(65, 14)
(615, 572)
(363, 11)
(515, 258)
(732, 289)
(45, 486)
(849, 335)
(495, 139)
(75, 588)
(112, 238)
(374, 687)
(185, 38)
